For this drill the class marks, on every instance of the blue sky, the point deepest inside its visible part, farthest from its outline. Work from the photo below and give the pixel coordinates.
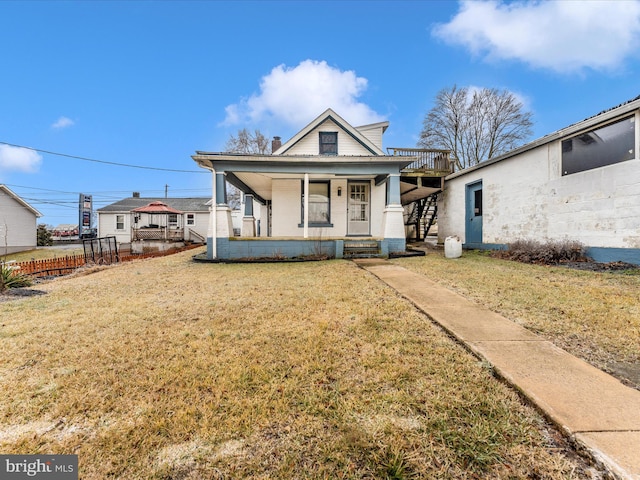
(148, 83)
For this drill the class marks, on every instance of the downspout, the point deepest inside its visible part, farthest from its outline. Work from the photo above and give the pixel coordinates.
(213, 221)
(305, 220)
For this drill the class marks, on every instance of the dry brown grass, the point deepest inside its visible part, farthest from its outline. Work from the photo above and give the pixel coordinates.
(166, 368)
(593, 315)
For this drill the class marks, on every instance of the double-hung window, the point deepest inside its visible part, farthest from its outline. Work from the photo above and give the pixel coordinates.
(119, 222)
(328, 143)
(319, 204)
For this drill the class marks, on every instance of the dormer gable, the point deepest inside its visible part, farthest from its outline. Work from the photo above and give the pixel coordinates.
(329, 134)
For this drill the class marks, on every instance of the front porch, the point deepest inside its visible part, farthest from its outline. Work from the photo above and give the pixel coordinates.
(275, 249)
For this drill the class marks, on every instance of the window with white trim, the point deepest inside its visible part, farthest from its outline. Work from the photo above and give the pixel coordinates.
(119, 222)
(319, 204)
(191, 219)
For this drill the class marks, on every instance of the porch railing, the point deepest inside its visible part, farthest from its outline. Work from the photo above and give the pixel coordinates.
(160, 233)
(438, 162)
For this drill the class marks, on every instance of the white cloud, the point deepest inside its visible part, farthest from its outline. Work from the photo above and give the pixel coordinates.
(565, 36)
(297, 95)
(20, 159)
(62, 122)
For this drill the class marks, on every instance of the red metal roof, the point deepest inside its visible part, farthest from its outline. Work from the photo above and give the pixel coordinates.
(156, 207)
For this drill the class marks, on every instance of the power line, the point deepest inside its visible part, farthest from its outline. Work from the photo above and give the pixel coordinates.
(102, 161)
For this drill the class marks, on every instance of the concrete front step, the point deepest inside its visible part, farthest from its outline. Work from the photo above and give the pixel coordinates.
(361, 249)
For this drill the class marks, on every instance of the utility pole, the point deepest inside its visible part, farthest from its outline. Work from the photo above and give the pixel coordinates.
(166, 190)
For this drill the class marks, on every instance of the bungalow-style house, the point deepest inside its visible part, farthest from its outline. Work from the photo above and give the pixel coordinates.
(18, 229)
(580, 183)
(155, 222)
(330, 190)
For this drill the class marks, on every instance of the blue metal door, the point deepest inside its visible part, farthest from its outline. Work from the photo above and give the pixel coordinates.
(473, 212)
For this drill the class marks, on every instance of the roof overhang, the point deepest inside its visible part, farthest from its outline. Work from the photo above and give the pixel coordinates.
(587, 124)
(339, 165)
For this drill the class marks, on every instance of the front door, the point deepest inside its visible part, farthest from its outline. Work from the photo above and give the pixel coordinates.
(473, 211)
(359, 209)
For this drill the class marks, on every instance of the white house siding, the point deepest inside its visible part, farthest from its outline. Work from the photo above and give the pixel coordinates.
(526, 197)
(310, 143)
(285, 208)
(378, 202)
(200, 226)
(107, 226)
(18, 229)
(373, 133)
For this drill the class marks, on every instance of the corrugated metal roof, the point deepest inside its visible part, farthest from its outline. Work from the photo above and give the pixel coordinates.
(196, 204)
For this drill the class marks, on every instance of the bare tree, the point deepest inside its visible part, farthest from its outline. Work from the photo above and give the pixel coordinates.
(475, 124)
(245, 142)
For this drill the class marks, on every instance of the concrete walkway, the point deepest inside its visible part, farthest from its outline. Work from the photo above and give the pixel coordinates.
(597, 411)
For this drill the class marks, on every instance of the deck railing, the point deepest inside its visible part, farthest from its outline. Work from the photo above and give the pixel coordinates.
(438, 162)
(160, 233)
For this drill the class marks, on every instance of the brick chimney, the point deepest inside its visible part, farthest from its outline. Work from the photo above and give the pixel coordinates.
(136, 194)
(275, 144)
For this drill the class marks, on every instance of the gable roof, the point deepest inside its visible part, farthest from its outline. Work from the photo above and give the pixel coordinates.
(195, 204)
(15, 196)
(329, 114)
(604, 116)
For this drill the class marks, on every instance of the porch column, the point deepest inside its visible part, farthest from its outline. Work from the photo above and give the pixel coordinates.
(213, 227)
(220, 223)
(305, 220)
(221, 187)
(393, 191)
(248, 222)
(393, 216)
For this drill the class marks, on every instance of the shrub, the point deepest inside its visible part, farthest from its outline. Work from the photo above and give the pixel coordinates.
(12, 278)
(551, 252)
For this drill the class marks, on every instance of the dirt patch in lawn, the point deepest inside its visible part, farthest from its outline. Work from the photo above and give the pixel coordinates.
(17, 293)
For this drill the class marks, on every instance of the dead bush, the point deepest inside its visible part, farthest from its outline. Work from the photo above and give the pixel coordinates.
(552, 252)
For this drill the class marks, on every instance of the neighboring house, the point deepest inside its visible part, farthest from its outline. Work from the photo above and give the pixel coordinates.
(155, 220)
(580, 183)
(18, 229)
(330, 190)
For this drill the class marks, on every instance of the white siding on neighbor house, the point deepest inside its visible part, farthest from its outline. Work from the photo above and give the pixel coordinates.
(18, 229)
(107, 226)
(310, 143)
(526, 197)
(200, 226)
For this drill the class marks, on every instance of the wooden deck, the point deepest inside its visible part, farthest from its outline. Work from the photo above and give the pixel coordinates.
(427, 163)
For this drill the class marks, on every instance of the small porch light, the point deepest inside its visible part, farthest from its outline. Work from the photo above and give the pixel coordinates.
(339, 191)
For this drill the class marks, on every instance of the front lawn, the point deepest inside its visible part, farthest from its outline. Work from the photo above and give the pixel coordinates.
(167, 368)
(593, 315)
